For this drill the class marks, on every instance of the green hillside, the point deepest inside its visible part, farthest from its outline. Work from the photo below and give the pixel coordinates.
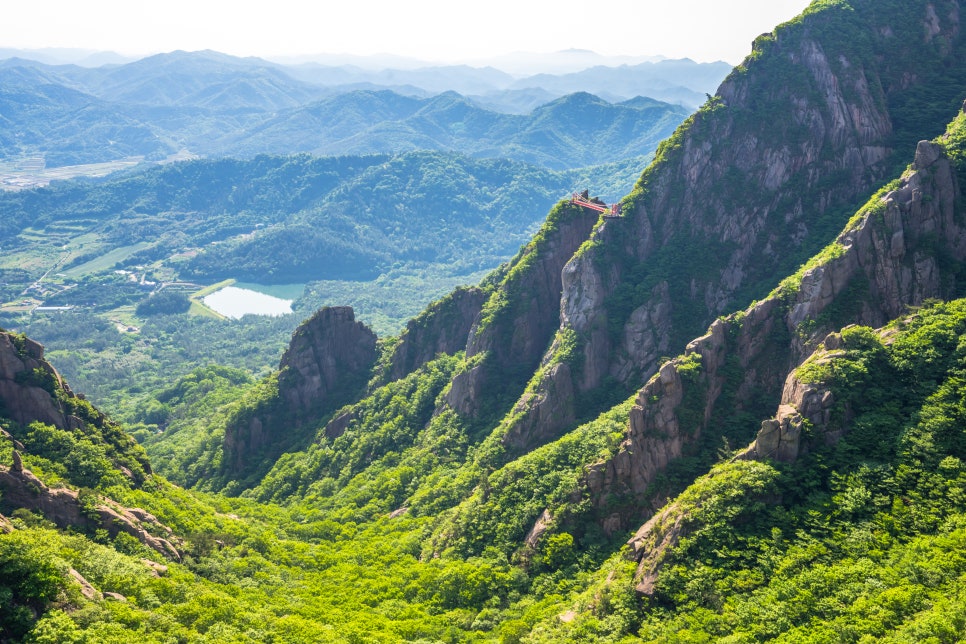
(300, 218)
(524, 462)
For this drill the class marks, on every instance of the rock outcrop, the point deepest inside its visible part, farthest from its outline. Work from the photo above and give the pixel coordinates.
(518, 322)
(780, 438)
(28, 382)
(325, 366)
(655, 438)
(537, 417)
(66, 508)
(86, 588)
(441, 329)
(904, 247)
(31, 390)
(330, 354)
(710, 224)
(651, 543)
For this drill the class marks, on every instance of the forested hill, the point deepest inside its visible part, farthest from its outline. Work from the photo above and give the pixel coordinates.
(524, 464)
(68, 125)
(299, 218)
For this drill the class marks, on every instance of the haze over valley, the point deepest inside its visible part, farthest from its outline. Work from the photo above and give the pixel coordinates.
(206, 104)
(428, 190)
(604, 340)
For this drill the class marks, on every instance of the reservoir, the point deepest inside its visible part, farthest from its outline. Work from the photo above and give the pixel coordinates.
(242, 299)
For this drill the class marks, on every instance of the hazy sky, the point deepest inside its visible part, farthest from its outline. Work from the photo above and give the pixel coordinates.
(434, 30)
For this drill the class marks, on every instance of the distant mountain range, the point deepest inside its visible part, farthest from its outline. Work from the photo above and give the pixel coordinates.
(518, 64)
(573, 131)
(212, 103)
(67, 56)
(676, 81)
(38, 113)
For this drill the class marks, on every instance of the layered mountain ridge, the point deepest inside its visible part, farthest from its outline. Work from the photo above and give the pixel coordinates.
(897, 253)
(708, 224)
(623, 304)
(182, 104)
(792, 473)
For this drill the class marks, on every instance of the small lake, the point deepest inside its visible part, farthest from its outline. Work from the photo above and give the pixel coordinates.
(253, 299)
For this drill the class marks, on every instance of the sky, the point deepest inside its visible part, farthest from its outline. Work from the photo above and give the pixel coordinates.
(432, 30)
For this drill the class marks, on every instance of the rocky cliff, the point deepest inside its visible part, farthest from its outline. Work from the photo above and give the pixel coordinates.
(442, 328)
(518, 320)
(748, 188)
(31, 390)
(325, 366)
(907, 245)
(809, 417)
(780, 438)
(330, 354)
(28, 385)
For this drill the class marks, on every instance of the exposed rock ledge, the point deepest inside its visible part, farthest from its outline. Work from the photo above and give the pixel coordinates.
(441, 329)
(780, 437)
(327, 352)
(21, 489)
(651, 543)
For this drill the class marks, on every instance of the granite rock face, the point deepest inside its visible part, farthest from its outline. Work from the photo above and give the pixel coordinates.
(518, 322)
(327, 351)
(906, 246)
(325, 366)
(27, 382)
(442, 329)
(710, 222)
(650, 544)
(539, 416)
(31, 390)
(780, 438)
